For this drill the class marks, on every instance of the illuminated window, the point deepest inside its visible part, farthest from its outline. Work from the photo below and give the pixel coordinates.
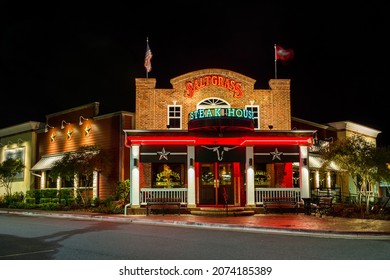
(255, 110)
(212, 103)
(174, 116)
(168, 175)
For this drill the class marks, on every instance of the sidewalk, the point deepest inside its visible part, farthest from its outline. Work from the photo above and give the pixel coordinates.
(276, 223)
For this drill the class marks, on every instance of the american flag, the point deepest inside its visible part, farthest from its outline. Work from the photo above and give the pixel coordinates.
(148, 58)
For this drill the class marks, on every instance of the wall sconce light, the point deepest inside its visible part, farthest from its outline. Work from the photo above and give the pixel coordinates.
(329, 139)
(136, 162)
(304, 161)
(270, 126)
(315, 139)
(20, 141)
(81, 119)
(47, 126)
(250, 162)
(9, 143)
(63, 123)
(191, 162)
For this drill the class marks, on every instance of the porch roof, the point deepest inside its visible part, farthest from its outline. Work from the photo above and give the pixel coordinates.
(46, 162)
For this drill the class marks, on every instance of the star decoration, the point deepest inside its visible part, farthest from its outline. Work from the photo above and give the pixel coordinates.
(69, 133)
(163, 154)
(276, 154)
(87, 130)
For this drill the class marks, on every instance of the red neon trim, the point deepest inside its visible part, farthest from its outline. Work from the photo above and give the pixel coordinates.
(238, 141)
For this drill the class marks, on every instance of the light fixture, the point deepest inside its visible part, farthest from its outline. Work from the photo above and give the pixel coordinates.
(329, 139)
(250, 162)
(315, 139)
(304, 161)
(81, 119)
(136, 162)
(20, 141)
(63, 123)
(270, 126)
(9, 143)
(191, 162)
(47, 126)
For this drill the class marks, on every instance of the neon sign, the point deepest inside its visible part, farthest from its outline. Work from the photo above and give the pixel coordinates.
(221, 112)
(213, 80)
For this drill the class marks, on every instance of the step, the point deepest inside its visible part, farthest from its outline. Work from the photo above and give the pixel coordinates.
(220, 212)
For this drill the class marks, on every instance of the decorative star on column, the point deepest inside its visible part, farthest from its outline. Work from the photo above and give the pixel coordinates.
(276, 154)
(163, 154)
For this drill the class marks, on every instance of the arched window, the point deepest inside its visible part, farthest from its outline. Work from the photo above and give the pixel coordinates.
(212, 103)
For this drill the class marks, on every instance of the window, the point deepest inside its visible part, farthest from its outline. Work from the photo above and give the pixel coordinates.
(50, 181)
(255, 110)
(174, 116)
(168, 175)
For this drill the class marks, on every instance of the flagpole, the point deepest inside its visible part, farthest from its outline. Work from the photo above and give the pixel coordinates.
(147, 43)
(276, 75)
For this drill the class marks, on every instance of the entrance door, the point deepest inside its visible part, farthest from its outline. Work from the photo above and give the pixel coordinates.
(216, 184)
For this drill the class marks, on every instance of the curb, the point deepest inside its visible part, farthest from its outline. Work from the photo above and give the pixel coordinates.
(208, 225)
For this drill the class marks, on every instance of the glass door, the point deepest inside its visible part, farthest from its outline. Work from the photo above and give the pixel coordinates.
(216, 185)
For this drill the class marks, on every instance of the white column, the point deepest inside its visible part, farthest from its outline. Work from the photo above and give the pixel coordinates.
(191, 203)
(317, 179)
(134, 173)
(304, 171)
(75, 184)
(95, 185)
(43, 180)
(328, 179)
(250, 177)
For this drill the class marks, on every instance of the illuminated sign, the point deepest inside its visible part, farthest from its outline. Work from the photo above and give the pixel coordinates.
(213, 80)
(221, 112)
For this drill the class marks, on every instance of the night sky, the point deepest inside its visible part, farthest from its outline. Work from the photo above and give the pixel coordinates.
(57, 56)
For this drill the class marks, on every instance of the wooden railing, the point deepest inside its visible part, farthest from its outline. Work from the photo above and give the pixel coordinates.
(269, 193)
(163, 194)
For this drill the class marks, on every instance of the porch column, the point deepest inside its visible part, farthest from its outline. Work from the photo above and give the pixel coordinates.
(95, 184)
(75, 183)
(250, 177)
(43, 180)
(191, 203)
(304, 172)
(328, 180)
(134, 173)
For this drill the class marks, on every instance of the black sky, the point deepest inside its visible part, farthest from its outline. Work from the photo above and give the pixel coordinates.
(57, 56)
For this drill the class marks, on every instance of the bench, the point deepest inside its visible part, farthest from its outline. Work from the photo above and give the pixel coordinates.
(164, 202)
(323, 205)
(280, 203)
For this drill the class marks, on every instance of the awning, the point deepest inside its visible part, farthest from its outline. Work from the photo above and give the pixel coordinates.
(46, 162)
(317, 162)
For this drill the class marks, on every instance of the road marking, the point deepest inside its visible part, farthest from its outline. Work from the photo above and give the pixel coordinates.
(27, 253)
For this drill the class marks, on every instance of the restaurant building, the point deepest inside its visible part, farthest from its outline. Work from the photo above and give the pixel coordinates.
(214, 140)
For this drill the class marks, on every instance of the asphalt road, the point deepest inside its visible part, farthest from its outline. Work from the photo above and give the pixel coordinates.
(53, 238)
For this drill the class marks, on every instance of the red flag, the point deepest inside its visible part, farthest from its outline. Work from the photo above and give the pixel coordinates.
(283, 54)
(148, 58)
